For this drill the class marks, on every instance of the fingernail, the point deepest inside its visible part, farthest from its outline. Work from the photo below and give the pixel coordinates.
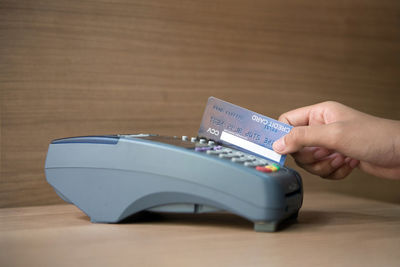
(279, 145)
(320, 153)
(337, 162)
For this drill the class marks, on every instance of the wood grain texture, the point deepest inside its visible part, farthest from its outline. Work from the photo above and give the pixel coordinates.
(72, 68)
(332, 230)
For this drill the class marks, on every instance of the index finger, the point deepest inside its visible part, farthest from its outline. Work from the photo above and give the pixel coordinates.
(298, 117)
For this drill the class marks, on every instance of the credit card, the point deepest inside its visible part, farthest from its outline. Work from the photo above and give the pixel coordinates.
(242, 128)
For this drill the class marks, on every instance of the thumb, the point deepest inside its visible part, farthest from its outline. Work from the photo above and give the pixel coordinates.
(302, 136)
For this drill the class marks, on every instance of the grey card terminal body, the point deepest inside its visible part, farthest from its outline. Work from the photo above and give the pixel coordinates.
(112, 177)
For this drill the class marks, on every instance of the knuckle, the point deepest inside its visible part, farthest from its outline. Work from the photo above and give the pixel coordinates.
(336, 133)
(283, 118)
(340, 173)
(327, 174)
(322, 169)
(331, 104)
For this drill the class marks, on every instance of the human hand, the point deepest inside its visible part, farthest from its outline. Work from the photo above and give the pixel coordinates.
(330, 139)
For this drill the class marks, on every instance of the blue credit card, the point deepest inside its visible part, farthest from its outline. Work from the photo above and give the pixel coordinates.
(242, 128)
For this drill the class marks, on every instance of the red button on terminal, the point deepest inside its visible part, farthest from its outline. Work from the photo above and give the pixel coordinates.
(263, 169)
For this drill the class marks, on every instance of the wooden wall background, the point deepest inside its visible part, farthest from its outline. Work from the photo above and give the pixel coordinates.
(85, 67)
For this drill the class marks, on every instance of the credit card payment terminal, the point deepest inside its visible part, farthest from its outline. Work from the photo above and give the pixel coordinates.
(113, 177)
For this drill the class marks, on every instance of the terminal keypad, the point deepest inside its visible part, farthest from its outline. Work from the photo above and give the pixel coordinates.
(211, 148)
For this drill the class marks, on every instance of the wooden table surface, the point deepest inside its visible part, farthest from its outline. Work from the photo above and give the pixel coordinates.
(332, 230)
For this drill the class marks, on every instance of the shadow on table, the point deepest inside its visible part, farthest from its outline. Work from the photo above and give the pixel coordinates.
(306, 220)
(218, 219)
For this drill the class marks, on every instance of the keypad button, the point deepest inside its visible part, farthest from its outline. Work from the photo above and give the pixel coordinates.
(249, 158)
(276, 166)
(202, 141)
(211, 143)
(253, 164)
(241, 159)
(193, 139)
(214, 152)
(238, 153)
(263, 169)
(261, 161)
(272, 168)
(184, 138)
(226, 155)
(250, 164)
(202, 148)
